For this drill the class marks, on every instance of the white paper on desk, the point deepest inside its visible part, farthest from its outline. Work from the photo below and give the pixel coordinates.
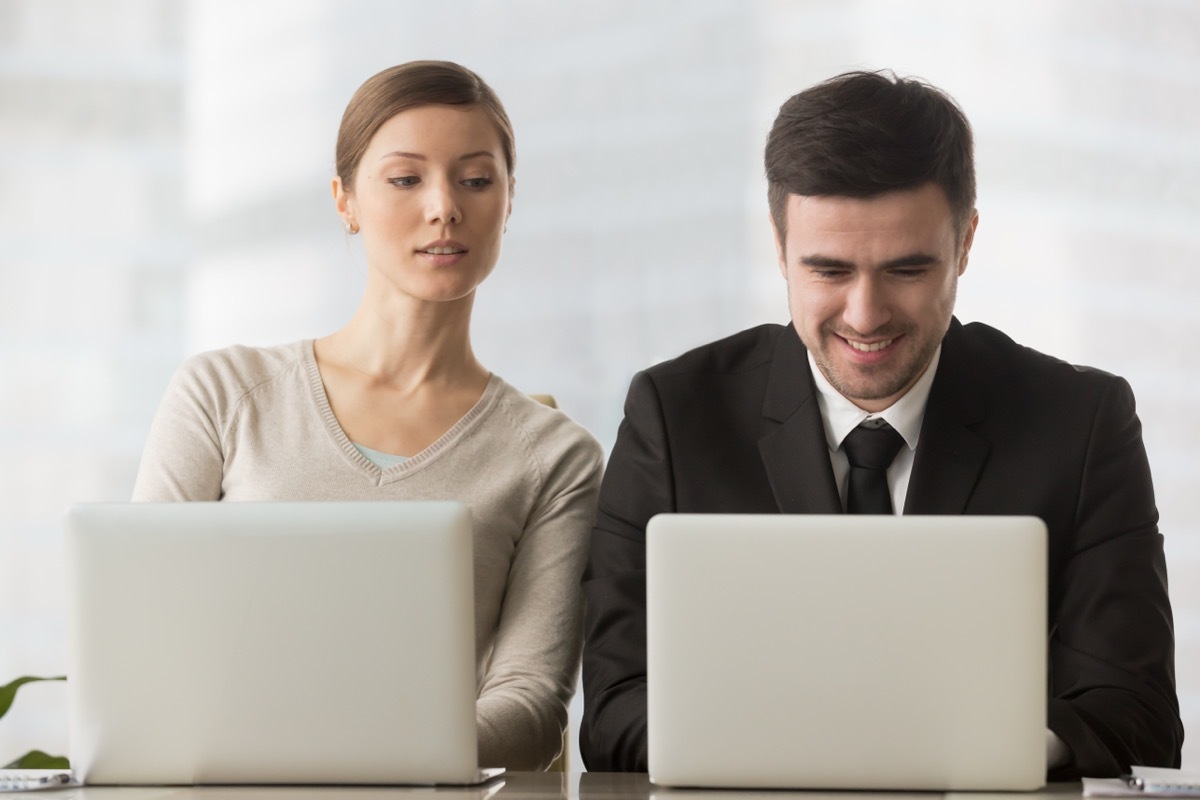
(1108, 787)
(1155, 782)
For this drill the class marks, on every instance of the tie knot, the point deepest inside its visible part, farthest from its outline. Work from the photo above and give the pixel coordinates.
(872, 448)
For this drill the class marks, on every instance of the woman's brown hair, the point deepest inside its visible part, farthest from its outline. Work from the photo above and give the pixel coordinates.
(399, 88)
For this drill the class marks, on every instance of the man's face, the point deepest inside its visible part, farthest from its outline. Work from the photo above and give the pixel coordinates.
(871, 285)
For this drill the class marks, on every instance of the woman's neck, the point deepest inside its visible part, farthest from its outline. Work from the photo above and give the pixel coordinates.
(407, 345)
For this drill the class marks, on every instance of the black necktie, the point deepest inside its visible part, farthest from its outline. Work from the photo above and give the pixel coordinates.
(870, 451)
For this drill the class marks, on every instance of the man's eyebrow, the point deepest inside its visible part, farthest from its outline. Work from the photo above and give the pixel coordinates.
(912, 260)
(827, 262)
(420, 157)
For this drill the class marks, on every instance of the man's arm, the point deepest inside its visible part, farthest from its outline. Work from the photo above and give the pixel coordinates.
(1112, 683)
(637, 485)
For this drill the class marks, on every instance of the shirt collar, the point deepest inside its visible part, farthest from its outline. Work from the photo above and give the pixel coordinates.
(840, 416)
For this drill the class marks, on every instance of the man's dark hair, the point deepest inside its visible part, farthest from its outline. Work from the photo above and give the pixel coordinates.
(861, 134)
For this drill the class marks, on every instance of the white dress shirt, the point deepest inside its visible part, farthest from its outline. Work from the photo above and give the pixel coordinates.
(840, 416)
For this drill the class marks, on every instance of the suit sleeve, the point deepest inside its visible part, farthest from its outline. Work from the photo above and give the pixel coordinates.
(637, 485)
(1112, 683)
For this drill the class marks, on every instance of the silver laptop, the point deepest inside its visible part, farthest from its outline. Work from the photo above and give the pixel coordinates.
(846, 652)
(281, 643)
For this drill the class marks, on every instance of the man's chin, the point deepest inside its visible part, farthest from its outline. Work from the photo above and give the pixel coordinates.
(863, 389)
(868, 396)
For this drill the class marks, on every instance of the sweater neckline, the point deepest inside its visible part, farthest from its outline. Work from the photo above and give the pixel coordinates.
(418, 460)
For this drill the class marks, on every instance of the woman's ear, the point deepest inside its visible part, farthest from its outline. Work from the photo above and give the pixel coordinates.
(512, 188)
(343, 202)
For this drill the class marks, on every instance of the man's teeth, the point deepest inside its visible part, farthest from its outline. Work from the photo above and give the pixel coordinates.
(441, 251)
(869, 348)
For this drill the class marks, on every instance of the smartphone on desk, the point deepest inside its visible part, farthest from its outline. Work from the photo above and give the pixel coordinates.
(28, 780)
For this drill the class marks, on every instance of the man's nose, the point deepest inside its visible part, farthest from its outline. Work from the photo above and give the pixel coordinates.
(867, 306)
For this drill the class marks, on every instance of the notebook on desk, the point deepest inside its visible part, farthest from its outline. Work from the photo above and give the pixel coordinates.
(280, 643)
(846, 652)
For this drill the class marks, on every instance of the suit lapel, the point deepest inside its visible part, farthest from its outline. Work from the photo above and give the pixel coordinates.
(793, 449)
(951, 454)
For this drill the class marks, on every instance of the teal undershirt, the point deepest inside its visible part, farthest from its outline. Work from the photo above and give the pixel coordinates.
(381, 460)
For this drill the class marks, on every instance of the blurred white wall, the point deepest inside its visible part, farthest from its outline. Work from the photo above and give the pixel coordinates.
(92, 257)
(164, 188)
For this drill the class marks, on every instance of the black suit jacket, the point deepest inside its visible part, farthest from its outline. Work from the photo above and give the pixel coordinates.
(734, 427)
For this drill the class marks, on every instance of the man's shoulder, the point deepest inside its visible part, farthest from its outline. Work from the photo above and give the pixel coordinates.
(995, 355)
(748, 350)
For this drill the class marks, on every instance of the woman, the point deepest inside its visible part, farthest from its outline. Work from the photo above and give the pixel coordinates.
(396, 406)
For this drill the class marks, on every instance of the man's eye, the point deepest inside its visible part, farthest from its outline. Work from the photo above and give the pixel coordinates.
(477, 183)
(404, 181)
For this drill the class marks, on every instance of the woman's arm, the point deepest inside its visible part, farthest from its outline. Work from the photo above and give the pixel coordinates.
(522, 706)
(183, 459)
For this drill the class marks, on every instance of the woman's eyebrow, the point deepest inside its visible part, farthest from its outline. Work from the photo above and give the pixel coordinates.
(421, 157)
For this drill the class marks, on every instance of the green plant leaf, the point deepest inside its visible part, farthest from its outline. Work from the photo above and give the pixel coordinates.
(9, 691)
(36, 759)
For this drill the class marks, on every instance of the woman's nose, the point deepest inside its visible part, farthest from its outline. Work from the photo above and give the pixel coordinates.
(441, 204)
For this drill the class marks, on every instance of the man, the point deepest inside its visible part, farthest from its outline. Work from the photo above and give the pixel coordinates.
(871, 185)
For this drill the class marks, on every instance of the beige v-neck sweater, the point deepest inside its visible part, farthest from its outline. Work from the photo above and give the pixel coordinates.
(255, 424)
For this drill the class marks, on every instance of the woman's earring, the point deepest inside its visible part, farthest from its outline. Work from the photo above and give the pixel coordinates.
(351, 228)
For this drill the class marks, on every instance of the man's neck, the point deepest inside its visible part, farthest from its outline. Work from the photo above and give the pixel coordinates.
(840, 415)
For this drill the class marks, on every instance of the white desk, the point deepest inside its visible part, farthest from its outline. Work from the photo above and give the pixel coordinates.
(519, 786)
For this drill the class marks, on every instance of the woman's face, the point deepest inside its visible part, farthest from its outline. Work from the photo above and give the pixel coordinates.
(431, 195)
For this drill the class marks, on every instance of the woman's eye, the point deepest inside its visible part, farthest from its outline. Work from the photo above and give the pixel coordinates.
(477, 183)
(404, 180)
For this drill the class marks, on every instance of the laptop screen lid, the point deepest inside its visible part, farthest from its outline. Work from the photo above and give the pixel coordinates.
(318, 642)
(846, 652)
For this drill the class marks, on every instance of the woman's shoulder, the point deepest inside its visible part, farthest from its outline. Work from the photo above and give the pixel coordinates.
(235, 371)
(550, 432)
